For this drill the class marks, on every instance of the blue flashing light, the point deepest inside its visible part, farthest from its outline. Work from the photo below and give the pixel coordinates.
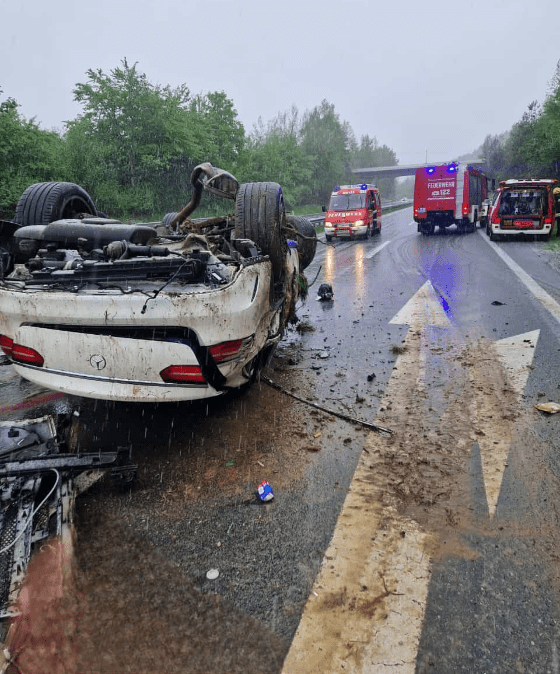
(452, 168)
(430, 170)
(336, 188)
(363, 187)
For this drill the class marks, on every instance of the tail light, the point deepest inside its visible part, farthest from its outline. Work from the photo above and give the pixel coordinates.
(192, 374)
(7, 345)
(221, 353)
(495, 217)
(226, 350)
(24, 354)
(465, 209)
(183, 374)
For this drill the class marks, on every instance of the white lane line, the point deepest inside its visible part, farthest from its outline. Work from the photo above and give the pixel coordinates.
(544, 298)
(376, 250)
(412, 223)
(516, 354)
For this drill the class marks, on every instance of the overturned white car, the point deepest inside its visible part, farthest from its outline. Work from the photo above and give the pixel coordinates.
(178, 310)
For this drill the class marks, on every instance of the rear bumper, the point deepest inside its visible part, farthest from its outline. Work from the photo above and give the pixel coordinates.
(498, 230)
(114, 346)
(102, 388)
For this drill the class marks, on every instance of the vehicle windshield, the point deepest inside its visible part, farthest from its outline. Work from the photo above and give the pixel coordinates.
(530, 202)
(347, 202)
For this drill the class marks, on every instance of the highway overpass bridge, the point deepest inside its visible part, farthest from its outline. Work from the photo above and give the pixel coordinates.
(370, 174)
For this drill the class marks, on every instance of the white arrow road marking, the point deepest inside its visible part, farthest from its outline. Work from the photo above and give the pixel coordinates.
(423, 308)
(516, 356)
(367, 607)
(366, 610)
(544, 298)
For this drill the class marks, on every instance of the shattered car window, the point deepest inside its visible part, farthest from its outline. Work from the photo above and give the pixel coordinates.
(525, 202)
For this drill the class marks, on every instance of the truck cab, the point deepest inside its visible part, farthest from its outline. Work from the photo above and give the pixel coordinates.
(354, 211)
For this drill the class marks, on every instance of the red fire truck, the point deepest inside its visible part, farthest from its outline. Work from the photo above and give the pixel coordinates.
(449, 194)
(354, 211)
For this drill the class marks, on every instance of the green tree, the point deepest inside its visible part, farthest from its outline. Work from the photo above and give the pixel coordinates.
(218, 129)
(132, 147)
(493, 151)
(324, 140)
(273, 153)
(522, 149)
(28, 154)
(370, 154)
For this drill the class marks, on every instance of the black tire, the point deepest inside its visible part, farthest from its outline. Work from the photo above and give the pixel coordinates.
(260, 215)
(428, 228)
(167, 218)
(307, 246)
(328, 237)
(43, 203)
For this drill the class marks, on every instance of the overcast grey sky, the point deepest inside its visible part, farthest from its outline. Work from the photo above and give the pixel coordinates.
(433, 76)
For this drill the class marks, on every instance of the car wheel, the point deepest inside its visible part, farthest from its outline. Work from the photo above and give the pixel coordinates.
(167, 218)
(260, 215)
(43, 203)
(492, 236)
(306, 246)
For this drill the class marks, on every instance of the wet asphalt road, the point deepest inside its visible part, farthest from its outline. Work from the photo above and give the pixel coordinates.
(190, 511)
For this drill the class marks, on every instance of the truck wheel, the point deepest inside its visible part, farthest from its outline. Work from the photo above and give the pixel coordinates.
(328, 237)
(307, 246)
(428, 228)
(473, 223)
(43, 203)
(463, 225)
(260, 215)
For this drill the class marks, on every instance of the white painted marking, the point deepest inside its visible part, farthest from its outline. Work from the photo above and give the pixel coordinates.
(412, 223)
(544, 298)
(516, 354)
(423, 308)
(376, 250)
(366, 610)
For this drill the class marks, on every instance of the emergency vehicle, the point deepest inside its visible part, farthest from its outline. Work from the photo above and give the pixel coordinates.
(525, 207)
(354, 211)
(449, 194)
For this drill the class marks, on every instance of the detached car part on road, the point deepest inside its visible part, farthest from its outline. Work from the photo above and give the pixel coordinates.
(39, 482)
(177, 310)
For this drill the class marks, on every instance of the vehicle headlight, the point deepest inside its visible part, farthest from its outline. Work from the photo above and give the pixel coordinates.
(359, 223)
(328, 225)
